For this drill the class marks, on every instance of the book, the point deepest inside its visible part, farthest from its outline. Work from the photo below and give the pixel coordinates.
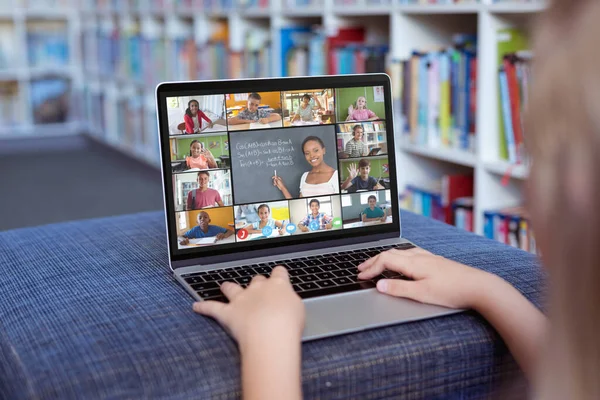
(509, 40)
(203, 241)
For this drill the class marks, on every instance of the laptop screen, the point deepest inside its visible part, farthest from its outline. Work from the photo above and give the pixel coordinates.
(249, 167)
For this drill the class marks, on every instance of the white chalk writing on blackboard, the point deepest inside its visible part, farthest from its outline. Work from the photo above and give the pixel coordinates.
(279, 153)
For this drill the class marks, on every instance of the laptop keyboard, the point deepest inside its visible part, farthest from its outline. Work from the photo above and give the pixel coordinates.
(313, 276)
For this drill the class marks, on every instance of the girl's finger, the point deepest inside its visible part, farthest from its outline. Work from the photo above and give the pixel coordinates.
(231, 290)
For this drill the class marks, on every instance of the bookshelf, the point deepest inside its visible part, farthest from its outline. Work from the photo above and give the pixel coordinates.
(117, 95)
(39, 86)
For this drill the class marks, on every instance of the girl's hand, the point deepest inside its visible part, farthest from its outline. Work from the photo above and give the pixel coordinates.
(352, 171)
(220, 236)
(264, 120)
(278, 181)
(436, 280)
(184, 241)
(350, 109)
(267, 309)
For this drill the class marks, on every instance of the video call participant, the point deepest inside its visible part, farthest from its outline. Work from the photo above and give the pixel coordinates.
(360, 112)
(199, 157)
(323, 221)
(355, 146)
(264, 212)
(304, 111)
(203, 196)
(373, 213)
(356, 182)
(193, 116)
(204, 229)
(320, 180)
(254, 114)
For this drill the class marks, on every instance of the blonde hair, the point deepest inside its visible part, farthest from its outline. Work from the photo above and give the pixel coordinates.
(563, 137)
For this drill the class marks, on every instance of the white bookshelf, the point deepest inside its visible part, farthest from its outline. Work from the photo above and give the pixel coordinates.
(405, 27)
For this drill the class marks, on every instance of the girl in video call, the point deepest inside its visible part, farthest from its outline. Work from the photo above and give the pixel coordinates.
(320, 180)
(264, 213)
(360, 112)
(199, 157)
(193, 118)
(304, 112)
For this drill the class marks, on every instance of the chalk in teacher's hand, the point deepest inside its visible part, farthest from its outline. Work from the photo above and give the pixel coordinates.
(275, 173)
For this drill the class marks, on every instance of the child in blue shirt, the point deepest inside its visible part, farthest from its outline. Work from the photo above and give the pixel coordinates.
(373, 213)
(204, 229)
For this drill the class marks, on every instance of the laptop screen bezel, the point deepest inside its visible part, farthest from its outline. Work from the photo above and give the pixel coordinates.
(237, 251)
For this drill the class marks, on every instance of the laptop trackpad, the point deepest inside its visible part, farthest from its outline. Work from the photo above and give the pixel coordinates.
(366, 309)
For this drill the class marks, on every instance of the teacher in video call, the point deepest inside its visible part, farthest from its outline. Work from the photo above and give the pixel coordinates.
(320, 180)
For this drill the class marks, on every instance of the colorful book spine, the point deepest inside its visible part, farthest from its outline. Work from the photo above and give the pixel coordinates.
(507, 117)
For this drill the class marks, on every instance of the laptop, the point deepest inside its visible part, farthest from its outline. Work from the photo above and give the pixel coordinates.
(285, 197)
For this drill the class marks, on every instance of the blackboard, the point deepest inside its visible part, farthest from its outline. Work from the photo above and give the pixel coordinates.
(256, 155)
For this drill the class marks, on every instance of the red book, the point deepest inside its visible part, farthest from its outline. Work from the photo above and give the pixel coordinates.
(345, 36)
(515, 102)
(453, 187)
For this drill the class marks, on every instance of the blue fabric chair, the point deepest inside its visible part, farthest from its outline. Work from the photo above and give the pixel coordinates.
(89, 310)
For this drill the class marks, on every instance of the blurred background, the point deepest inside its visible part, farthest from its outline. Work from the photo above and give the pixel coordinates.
(78, 131)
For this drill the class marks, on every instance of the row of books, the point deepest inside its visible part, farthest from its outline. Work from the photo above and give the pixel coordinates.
(439, 1)
(436, 199)
(123, 121)
(452, 202)
(10, 104)
(51, 101)
(439, 95)
(307, 51)
(514, 78)
(47, 43)
(510, 226)
(7, 46)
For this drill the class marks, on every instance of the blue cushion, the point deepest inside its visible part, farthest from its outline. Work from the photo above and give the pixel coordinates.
(89, 309)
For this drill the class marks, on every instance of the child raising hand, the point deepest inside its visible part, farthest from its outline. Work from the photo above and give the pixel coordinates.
(199, 157)
(361, 112)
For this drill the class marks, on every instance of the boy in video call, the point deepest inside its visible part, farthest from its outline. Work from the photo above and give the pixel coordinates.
(254, 114)
(373, 213)
(204, 230)
(203, 196)
(323, 221)
(355, 146)
(360, 179)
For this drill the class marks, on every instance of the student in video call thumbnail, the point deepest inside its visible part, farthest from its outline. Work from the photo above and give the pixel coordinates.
(203, 196)
(204, 229)
(355, 146)
(360, 179)
(304, 111)
(199, 157)
(264, 213)
(320, 180)
(254, 114)
(360, 112)
(323, 221)
(373, 213)
(193, 118)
